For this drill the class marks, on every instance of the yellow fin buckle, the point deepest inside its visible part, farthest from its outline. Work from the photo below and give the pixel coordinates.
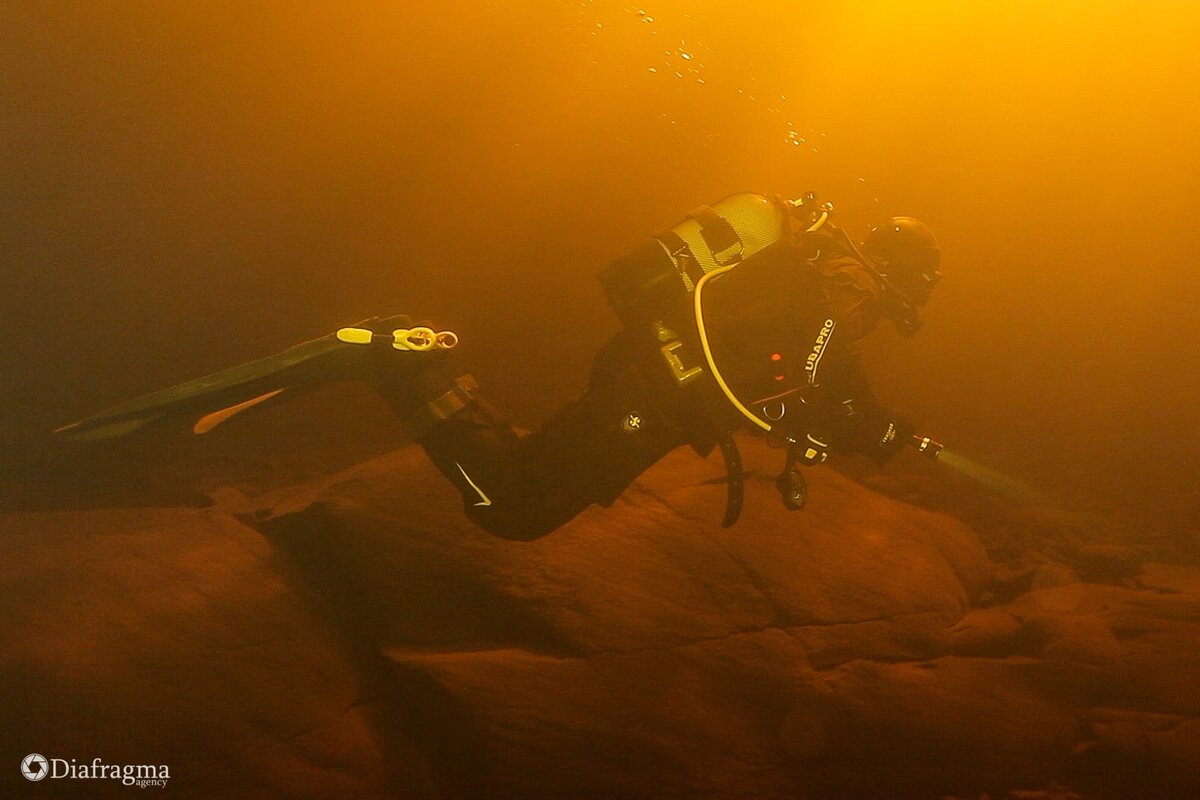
(422, 338)
(418, 339)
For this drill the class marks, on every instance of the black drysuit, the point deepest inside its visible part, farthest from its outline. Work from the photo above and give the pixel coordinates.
(783, 331)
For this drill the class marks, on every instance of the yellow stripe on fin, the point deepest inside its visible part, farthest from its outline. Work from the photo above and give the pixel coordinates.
(210, 421)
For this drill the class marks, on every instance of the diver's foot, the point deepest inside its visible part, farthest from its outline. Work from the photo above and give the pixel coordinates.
(409, 366)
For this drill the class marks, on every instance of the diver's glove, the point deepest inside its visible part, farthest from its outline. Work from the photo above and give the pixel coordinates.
(897, 433)
(876, 433)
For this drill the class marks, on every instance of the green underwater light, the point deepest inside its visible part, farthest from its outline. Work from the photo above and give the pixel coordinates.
(1010, 488)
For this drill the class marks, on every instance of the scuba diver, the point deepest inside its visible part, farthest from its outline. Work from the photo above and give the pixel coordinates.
(745, 315)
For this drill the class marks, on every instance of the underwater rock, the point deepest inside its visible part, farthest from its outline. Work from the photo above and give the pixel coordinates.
(355, 635)
(174, 637)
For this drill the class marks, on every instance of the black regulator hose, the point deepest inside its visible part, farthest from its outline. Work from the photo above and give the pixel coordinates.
(735, 478)
(793, 489)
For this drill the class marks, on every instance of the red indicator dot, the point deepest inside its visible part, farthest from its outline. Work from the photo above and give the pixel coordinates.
(776, 357)
(778, 377)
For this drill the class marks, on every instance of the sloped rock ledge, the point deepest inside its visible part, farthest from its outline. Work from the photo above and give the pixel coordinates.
(357, 637)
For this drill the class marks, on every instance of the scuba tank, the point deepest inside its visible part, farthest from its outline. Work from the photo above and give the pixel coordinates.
(648, 285)
(643, 285)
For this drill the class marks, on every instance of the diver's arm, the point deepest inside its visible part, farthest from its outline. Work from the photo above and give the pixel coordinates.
(852, 418)
(844, 410)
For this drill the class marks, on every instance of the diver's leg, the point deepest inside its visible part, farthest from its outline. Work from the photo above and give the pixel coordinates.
(524, 487)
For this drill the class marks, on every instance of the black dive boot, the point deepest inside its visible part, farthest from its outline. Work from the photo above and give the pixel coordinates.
(423, 388)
